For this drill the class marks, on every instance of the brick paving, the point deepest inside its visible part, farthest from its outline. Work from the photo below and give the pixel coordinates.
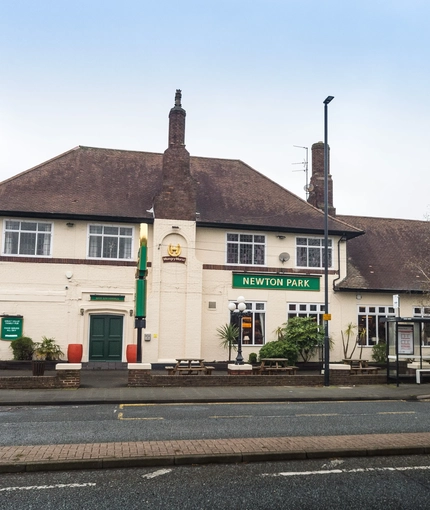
(180, 452)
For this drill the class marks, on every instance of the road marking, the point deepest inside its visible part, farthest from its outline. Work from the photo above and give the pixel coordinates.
(396, 412)
(121, 417)
(238, 416)
(42, 487)
(347, 471)
(160, 472)
(318, 415)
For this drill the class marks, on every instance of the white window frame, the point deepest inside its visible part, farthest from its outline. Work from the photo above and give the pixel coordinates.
(319, 247)
(255, 308)
(47, 234)
(378, 312)
(315, 310)
(424, 312)
(241, 242)
(102, 235)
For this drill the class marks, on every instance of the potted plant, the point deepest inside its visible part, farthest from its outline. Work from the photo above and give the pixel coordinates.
(46, 350)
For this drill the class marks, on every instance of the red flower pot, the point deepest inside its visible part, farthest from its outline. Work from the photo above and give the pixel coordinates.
(74, 353)
(131, 353)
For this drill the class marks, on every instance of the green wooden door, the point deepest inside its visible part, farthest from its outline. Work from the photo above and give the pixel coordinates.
(105, 337)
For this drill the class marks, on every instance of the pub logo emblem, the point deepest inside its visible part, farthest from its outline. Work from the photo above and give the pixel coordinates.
(174, 252)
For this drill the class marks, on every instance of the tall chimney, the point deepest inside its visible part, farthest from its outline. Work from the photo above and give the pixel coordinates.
(177, 198)
(316, 184)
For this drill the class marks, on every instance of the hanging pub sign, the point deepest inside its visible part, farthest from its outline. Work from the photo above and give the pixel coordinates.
(275, 282)
(11, 327)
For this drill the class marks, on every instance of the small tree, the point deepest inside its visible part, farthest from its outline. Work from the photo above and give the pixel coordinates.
(229, 334)
(349, 333)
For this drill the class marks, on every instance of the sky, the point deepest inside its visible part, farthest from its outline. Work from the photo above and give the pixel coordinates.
(253, 74)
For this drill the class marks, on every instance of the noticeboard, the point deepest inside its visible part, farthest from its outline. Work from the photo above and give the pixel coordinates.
(11, 328)
(406, 339)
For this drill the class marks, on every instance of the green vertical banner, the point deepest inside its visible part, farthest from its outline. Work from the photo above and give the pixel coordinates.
(140, 298)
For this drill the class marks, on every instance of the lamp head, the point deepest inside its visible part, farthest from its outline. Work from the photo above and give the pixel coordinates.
(241, 307)
(328, 99)
(241, 299)
(232, 307)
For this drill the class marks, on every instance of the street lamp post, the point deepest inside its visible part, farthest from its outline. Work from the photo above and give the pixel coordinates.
(326, 312)
(240, 310)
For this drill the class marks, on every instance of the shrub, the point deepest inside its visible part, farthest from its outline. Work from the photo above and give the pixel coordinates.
(304, 334)
(379, 352)
(280, 349)
(22, 348)
(252, 357)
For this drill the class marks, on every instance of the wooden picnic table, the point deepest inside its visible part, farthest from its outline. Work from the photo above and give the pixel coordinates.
(360, 366)
(356, 363)
(275, 366)
(189, 366)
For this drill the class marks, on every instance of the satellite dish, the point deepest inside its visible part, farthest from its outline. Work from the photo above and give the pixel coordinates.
(284, 256)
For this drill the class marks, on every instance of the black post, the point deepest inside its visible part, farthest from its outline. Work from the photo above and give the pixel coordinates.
(326, 311)
(239, 357)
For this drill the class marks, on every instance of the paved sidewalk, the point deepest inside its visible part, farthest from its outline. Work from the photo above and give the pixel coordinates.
(109, 387)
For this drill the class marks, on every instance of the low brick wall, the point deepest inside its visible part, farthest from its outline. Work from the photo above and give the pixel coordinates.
(63, 379)
(141, 378)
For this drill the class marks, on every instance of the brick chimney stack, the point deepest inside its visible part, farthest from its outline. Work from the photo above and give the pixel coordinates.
(177, 198)
(316, 184)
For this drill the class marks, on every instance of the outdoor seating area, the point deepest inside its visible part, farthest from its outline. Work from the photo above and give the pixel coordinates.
(274, 366)
(189, 366)
(361, 366)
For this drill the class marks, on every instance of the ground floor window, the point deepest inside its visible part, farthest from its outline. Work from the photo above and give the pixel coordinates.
(315, 310)
(424, 311)
(371, 329)
(253, 323)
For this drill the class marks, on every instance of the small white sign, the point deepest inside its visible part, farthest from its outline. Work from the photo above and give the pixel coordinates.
(396, 301)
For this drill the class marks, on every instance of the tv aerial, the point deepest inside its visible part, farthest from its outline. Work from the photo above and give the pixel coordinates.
(308, 187)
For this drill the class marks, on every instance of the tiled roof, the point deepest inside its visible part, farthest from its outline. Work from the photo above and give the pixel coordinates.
(391, 256)
(120, 185)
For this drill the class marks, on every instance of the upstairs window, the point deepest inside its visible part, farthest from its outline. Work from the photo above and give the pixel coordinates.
(30, 238)
(310, 252)
(246, 249)
(109, 242)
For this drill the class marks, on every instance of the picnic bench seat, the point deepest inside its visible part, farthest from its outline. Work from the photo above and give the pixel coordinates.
(277, 370)
(364, 370)
(181, 370)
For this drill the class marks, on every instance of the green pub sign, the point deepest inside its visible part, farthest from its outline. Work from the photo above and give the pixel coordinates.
(11, 328)
(275, 282)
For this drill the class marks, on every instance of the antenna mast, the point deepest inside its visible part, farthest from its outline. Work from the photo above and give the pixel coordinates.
(305, 169)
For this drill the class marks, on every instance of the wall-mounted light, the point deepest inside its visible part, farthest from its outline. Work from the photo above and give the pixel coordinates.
(81, 311)
(281, 237)
(131, 313)
(358, 296)
(70, 224)
(69, 274)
